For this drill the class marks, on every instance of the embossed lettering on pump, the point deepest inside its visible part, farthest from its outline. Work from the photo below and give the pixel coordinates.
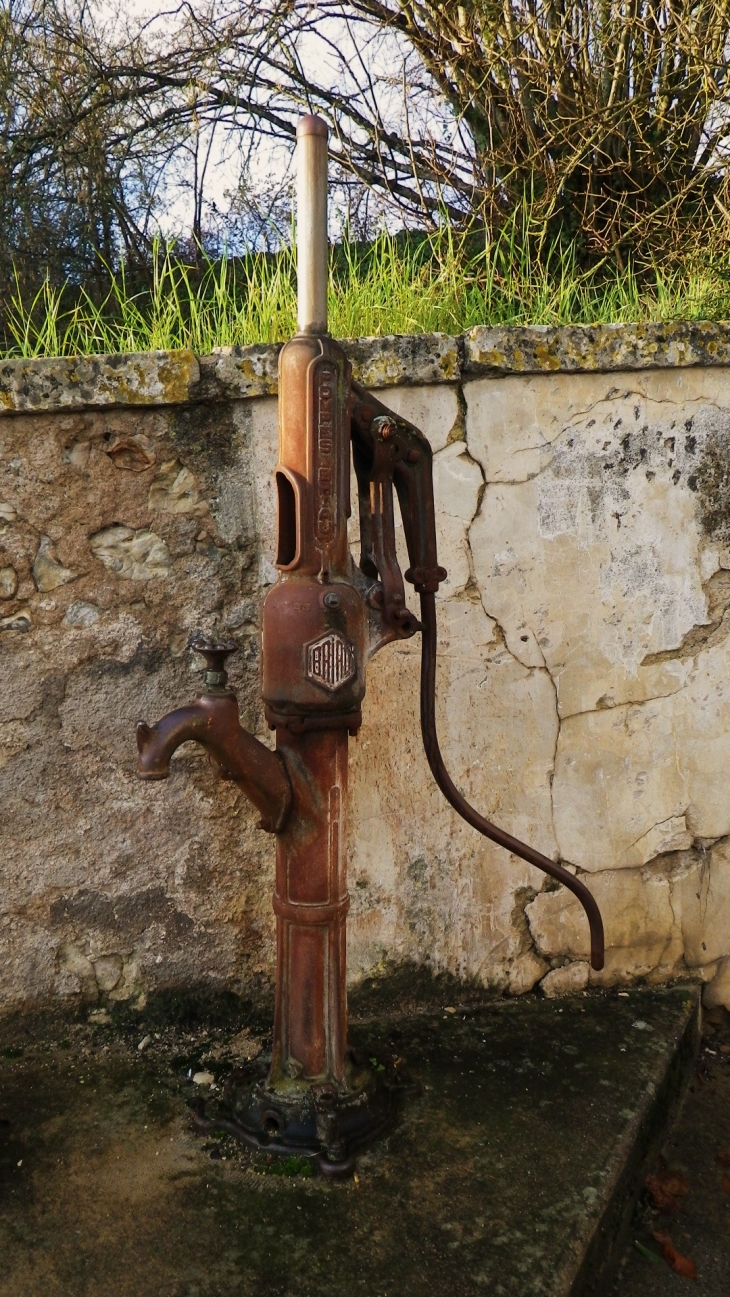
(325, 381)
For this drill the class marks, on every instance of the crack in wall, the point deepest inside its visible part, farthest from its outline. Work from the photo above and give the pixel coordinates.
(717, 590)
(458, 428)
(503, 638)
(624, 394)
(549, 443)
(705, 635)
(702, 636)
(659, 824)
(618, 707)
(558, 732)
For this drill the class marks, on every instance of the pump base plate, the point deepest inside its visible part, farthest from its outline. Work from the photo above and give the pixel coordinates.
(325, 1122)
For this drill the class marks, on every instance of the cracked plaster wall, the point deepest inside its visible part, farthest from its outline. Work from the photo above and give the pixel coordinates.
(584, 691)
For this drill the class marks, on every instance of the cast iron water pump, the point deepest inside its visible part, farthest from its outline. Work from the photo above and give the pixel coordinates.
(322, 621)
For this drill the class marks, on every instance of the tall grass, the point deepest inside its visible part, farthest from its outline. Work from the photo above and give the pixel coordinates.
(394, 286)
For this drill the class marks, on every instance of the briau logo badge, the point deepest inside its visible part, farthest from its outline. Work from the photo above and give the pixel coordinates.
(330, 661)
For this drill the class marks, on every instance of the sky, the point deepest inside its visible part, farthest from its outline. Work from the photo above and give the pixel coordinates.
(222, 172)
(271, 167)
(223, 169)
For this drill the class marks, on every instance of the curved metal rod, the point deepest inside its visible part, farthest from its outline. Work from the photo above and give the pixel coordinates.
(467, 812)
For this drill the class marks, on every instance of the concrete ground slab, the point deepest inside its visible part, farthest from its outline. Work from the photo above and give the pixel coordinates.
(698, 1222)
(513, 1172)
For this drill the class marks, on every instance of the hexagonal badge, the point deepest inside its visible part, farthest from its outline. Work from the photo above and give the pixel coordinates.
(330, 660)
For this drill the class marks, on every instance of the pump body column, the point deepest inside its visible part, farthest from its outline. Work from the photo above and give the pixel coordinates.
(313, 658)
(311, 903)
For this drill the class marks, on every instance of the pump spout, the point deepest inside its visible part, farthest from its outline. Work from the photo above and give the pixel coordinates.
(212, 721)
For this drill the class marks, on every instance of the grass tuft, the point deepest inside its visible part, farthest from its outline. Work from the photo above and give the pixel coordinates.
(394, 286)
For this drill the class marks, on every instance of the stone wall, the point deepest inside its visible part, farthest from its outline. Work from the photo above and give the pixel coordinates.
(583, 489)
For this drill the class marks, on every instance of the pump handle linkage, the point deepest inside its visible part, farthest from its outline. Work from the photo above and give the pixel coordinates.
(387, 451)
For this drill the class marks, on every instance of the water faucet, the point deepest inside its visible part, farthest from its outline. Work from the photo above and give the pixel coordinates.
(212, 720)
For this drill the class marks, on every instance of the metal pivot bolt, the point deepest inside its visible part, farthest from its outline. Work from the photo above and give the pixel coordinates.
(215, 654)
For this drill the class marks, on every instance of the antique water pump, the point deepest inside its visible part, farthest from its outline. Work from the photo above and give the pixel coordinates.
(322, 621)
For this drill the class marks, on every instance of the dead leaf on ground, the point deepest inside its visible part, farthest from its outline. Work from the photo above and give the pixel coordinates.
(667, 1188)
(726, 1184)
(676, 1260)
(723, 1158)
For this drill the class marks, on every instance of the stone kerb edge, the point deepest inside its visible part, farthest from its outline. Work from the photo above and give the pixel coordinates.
(79, 382)
(160, 378)
(586, 348)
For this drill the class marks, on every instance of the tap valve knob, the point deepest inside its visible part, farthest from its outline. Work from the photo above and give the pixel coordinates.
(215, 654)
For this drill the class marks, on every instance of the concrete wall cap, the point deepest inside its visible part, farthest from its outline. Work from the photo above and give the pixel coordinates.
(159, 378)
(82, 382)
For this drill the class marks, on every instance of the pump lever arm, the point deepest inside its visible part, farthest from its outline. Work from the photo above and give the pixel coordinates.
(387, 449)
(376, 451)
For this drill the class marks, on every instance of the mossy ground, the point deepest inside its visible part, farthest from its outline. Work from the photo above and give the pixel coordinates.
(494, 1180)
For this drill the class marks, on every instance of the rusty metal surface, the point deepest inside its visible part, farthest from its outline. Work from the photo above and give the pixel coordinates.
(311, 904)
(321, 622)
(212, 720)
(313, 649)
(314, 457)
(388, 450)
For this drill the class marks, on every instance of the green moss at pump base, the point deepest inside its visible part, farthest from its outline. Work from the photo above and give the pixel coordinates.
(288, 1166)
